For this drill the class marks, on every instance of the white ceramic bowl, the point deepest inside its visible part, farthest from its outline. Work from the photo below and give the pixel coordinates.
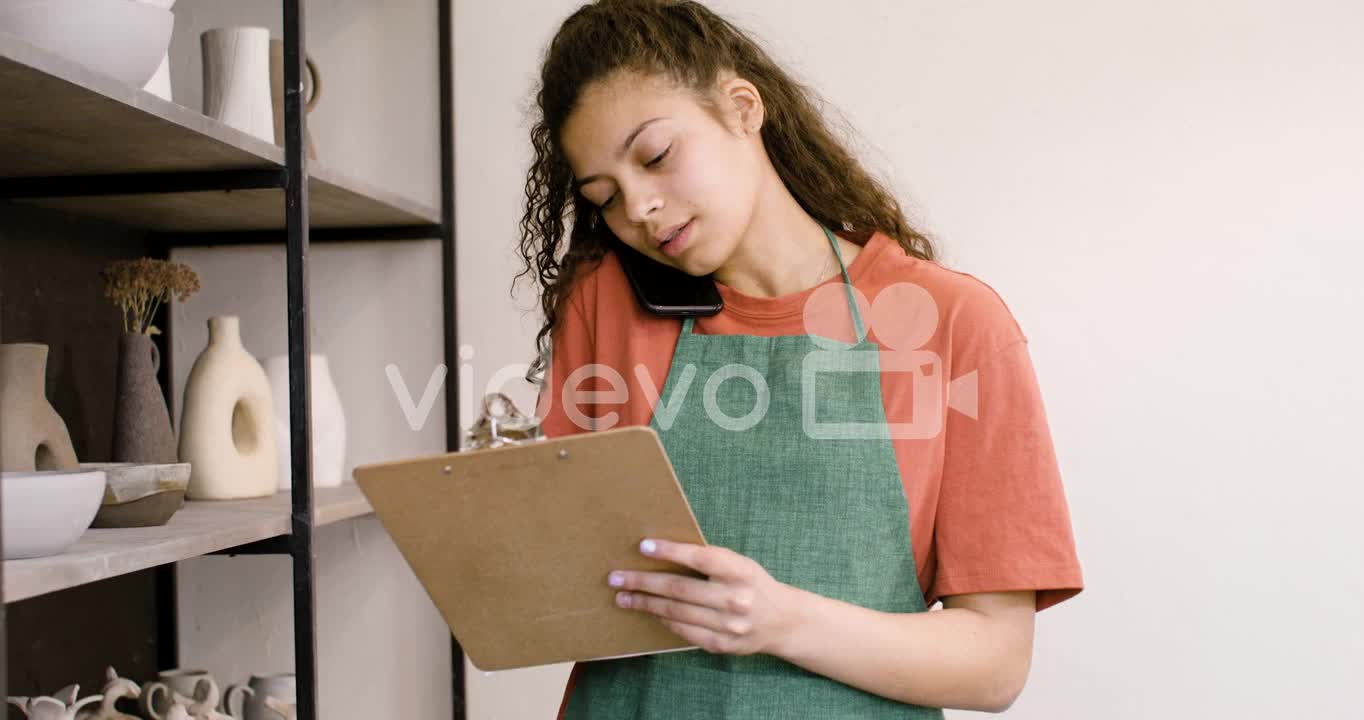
(46, 511)
(124, 39)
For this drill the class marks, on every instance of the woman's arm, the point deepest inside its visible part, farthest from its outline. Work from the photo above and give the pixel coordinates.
(974, 654)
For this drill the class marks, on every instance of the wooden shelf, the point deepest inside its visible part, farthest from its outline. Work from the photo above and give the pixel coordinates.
(198, 529)
(62, 119)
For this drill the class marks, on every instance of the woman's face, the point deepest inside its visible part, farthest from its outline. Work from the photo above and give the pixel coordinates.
(654, 161)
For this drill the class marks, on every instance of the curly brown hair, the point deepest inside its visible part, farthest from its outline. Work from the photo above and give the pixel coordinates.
(686, 42)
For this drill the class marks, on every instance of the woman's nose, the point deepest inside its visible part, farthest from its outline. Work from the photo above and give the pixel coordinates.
(642, 204)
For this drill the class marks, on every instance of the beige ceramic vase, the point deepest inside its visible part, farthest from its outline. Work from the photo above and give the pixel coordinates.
(32, 434)
(226, 430)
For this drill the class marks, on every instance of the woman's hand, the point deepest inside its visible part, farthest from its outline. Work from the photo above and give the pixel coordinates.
(739, 610)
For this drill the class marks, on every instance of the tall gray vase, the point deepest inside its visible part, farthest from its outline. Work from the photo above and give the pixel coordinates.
(142, 426)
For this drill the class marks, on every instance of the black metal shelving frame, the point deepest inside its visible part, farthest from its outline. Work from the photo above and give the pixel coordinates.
(292, 179)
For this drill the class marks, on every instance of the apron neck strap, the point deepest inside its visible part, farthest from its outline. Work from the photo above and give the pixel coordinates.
(847, 286)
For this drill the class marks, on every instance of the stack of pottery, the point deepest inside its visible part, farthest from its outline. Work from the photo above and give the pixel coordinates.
(176, 687)
(175, 695)
(194, 692)
(264, 697)
(63, 705)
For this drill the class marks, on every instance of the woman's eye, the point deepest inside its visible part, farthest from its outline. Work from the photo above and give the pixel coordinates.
(660, 157)
(611, 200)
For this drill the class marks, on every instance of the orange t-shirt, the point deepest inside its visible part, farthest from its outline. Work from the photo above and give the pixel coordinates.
(987, 508)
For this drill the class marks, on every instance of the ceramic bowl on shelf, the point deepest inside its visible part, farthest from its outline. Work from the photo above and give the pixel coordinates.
(140, 495)
(160, 84)
(124, 39)
(45, 512)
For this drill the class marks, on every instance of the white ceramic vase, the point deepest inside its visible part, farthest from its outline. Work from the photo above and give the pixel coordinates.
(237, 79)
(226, 429)
(328, 421)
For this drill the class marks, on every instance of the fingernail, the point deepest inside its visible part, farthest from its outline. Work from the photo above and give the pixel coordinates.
(647, 547)
(615, 579)
(623, 599)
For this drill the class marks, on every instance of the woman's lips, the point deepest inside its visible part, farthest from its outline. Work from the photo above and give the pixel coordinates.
(675, 246)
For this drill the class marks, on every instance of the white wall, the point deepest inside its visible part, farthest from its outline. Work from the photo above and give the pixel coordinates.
(383, 651)
(1167, 194)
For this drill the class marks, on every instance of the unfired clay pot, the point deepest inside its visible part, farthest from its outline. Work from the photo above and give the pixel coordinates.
(227, 429)
(32, 434)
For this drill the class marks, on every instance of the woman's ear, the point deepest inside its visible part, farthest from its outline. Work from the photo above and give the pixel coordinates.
(744, 105)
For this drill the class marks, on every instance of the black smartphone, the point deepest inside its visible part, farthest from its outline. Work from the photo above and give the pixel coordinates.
(665, 290)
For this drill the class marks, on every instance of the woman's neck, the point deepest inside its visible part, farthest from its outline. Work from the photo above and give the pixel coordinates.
(784, 250)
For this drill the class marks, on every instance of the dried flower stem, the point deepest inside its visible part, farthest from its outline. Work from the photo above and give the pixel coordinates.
(139, 287)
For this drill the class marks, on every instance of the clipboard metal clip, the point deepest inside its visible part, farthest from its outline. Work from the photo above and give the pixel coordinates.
(501, 423)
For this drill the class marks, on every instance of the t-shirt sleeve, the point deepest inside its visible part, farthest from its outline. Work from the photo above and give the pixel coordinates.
(564, 403)
(1003, 522)
(573, 346)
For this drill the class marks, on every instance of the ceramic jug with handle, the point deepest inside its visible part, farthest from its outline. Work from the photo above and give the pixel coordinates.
(281, 687)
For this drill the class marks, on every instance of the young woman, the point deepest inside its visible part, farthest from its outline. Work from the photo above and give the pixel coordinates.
(859, 431)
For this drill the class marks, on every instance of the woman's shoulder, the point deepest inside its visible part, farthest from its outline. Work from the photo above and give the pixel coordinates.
(967, 312)
(601, 294)
(597, 281)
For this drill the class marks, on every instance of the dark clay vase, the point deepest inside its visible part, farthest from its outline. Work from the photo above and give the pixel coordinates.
(142, 425)
(32, 434)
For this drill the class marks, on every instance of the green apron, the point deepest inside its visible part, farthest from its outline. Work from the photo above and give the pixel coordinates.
(825, 515)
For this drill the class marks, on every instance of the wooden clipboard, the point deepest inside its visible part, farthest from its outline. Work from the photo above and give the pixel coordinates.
(514, 543)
